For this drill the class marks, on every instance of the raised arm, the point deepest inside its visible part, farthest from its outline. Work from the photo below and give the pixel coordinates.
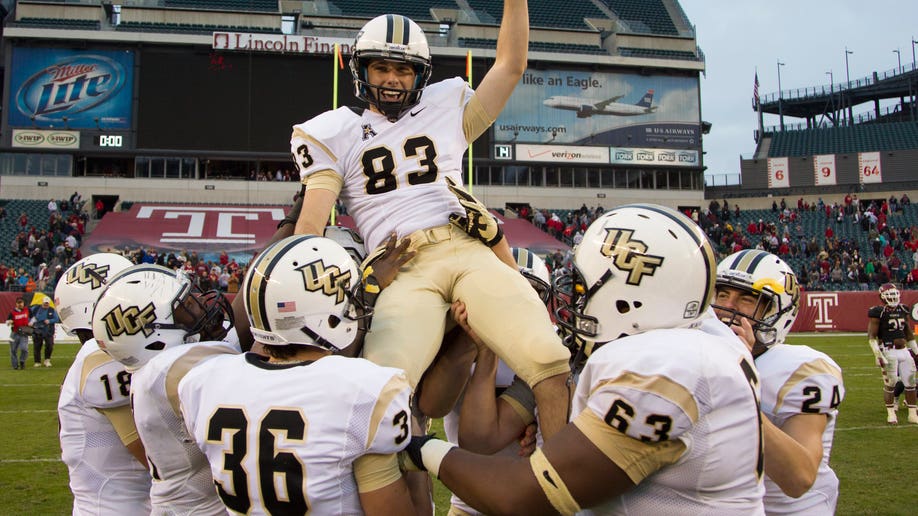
(510, 62)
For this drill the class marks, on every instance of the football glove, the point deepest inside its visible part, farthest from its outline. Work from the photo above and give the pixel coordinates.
(476, 221)
(424, 453)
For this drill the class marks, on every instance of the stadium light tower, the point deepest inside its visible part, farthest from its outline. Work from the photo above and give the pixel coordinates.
(848, 84)
(847, 73)
(780, 97)
(913, 52)
(899, 57)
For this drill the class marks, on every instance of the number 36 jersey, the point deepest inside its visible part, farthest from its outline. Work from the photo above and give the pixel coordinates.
(283, 438)
(676, 410)
(800, 380)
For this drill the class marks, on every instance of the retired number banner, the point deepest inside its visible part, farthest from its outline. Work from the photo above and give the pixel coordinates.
(870, 169)
(824, 166)
(777, 173)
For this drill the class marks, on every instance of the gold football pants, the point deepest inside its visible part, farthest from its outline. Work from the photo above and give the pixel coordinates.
(412, 313)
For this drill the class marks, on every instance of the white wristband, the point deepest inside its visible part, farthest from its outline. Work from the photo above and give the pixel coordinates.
(874, 346)
(432, 454)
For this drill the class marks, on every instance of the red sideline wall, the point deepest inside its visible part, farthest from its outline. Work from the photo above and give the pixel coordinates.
(841, 311)
(819, 311)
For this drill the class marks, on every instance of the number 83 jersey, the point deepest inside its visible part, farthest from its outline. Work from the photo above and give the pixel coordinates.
(800, 380)
(283, 438)
(391, 172)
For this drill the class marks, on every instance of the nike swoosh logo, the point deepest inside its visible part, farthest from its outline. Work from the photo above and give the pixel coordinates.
(415, 113)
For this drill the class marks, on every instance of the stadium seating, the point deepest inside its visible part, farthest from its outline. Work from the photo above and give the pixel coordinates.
(844, 140)
(37, 211)
(535, 46)
(542, 13)
(58, 23)
(418, 10)
(649, 16)
(190, 28)
(658, 53)
(229, 5)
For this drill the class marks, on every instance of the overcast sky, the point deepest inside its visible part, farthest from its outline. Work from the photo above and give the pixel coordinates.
(808, 36)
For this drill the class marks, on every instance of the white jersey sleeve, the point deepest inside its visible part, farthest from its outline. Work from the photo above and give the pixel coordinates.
(104, 383)
(182, 482)
(104, 477)
(392, 173)
(799, 380)
(686, 402)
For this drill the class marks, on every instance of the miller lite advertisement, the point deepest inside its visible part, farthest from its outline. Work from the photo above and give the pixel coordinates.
(71, 89)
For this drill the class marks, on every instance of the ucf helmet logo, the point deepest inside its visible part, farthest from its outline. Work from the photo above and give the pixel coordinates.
(131, 320)
(629, 255)
(88, 273)
(330, 280)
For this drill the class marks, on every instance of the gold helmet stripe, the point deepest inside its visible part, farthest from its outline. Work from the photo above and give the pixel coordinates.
(259, 276)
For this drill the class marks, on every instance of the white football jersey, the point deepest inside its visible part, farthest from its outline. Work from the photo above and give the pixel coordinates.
(800, 380)
(393, 172)
(182, 484)
(104, 477)
(690, 386)
(282, 438)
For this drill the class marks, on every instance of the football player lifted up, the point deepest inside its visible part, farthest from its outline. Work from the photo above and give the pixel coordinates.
(396, 166)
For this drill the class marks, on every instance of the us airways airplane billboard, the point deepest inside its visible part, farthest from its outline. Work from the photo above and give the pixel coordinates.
(600, 108)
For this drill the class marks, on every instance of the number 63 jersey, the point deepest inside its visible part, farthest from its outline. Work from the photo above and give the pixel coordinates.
(283, 438)
(677, 411)
(800, 380)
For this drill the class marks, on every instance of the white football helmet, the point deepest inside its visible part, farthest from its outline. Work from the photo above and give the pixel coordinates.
(78, 289)
(305, 289)
(136, 315)
(350, 240)
(392, 37)
(889, 294)
(639, 267)
(533, 268)
(773, 282)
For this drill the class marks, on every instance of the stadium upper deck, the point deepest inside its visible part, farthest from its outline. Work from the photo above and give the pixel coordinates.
(210, 89)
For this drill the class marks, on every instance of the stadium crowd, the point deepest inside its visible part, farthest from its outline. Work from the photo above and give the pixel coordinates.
(821, 261)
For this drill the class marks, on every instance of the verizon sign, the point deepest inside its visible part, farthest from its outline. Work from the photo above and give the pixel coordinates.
(562, 153)
(279, 43)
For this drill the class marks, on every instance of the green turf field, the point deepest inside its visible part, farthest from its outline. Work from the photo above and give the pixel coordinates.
(873, 461)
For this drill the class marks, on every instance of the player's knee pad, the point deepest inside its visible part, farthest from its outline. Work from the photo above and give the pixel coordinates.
(890, 381)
